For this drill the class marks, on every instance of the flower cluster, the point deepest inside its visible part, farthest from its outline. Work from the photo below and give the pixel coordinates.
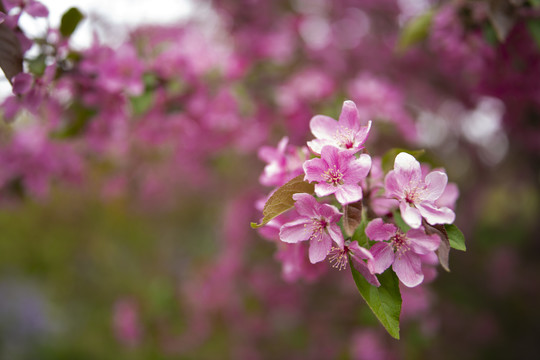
(347, 208)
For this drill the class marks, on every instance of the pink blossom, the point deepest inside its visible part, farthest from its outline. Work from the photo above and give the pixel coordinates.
(283, 163)
(347, 133)
(22, 83)
(340, 257)
(317, 223)
(31, 7)
(307, 86)
(126, 322)
(450, 194)
(416, 195)
(379, 99)
(295, 265)
(122, 72)
(403, 251)
(338, 172)
(369, 345)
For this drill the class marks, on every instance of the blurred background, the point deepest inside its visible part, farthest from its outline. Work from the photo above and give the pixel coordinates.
(129, 174)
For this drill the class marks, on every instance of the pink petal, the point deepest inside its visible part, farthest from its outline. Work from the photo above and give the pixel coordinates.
(421, 242)
(316, 145)
(294, 231)
(335, 233)
(10, 4)
(268, 154)
(362, 134)
(358, 169)
(393, 188)
(329, 211)
(330, 154)
(324, 189)
(359, 252)
(377, 230)
(448, 197)
(349, 117)
(383, 257)
(319, 249)
(348, 193)
(314, 169)
(382, 206)
(434, 215)
(435, 183)
(306, 205)
(408, 268)
(282, 145)
(323, 127)
(410, 215)
(22, 83)
(407, 169)
(36, 9)
(363, 269)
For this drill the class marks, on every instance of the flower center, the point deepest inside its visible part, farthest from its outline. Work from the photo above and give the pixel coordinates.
(345, 137)
(400, 242)
(414, 194)
(317, 227)
(333, 176)
(411, 196)
(338, 257)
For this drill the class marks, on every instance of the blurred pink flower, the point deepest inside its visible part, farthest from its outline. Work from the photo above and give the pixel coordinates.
(368, 345)
(122, 71)
(126, 322)
(31, 7)
(283, 163)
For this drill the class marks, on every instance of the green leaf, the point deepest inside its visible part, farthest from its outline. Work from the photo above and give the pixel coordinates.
(360, 233)
(534, 3)
(70, 20)
(534, 30)
(387, 161)
(489, 34)
(384, 301)
(415, 31)
(140, 104)
(456, 238)
(282, 199)
(37, 65)
(78, 121)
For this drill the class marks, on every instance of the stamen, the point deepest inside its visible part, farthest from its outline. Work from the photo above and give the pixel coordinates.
(338, 257)
(333, 176)
(317, 228)
(345, 137)
(400, 243)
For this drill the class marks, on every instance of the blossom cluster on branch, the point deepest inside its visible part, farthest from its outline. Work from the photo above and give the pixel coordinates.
(357, 193)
